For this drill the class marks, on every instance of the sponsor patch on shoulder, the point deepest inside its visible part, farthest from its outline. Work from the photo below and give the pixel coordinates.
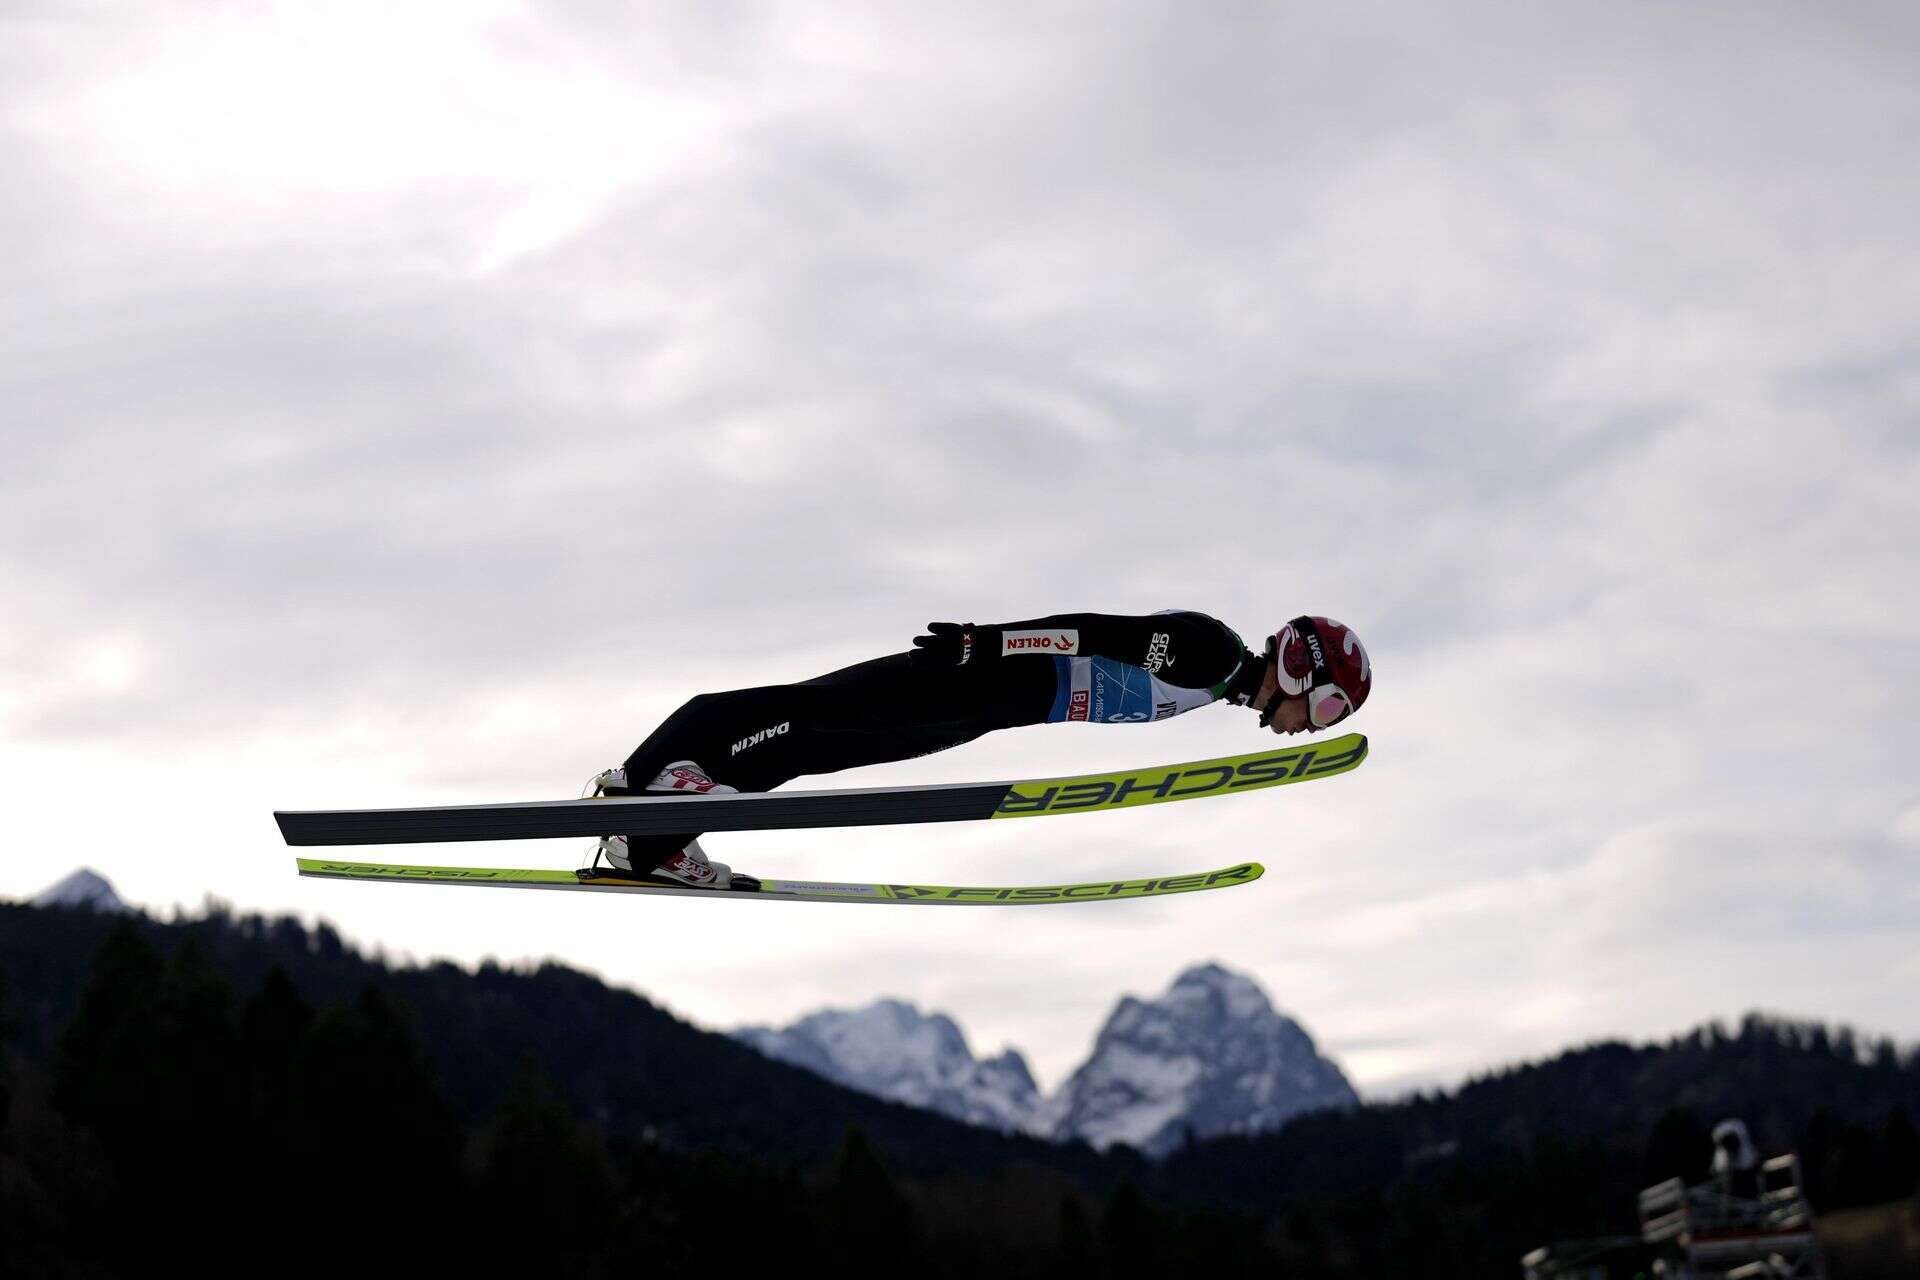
(1063, 641)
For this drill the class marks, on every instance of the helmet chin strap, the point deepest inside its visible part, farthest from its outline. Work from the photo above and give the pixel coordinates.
(1273, 699)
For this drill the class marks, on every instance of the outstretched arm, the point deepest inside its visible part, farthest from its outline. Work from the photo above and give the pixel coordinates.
(1190, 650)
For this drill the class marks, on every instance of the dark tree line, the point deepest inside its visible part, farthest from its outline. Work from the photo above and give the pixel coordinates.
(237, 1093)
(1462, 1183)
(171, 1117)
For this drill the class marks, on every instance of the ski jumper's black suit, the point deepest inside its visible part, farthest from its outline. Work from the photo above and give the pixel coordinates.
(1101, 668)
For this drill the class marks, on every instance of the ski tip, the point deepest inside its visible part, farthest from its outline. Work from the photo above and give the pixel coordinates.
(1245, 873)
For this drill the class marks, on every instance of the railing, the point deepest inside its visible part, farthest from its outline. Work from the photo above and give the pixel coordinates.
(1769, 1234)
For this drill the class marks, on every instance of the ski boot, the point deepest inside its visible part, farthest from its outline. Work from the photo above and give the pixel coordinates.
(690, 866)
(682, 777)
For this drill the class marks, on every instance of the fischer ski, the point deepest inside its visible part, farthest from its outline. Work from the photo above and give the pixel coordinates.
(769, 890)
(872, 806)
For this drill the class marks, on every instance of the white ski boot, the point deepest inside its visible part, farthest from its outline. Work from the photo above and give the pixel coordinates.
(690, 866)
(681, 776)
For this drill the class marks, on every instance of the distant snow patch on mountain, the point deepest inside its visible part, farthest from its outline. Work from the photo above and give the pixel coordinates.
(1211, 1056)
(892, 1050)
(84, 888)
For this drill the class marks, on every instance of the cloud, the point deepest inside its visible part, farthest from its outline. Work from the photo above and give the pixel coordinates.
(431, 426)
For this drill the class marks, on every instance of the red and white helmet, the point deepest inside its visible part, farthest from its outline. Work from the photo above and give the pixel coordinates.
(1326, 661)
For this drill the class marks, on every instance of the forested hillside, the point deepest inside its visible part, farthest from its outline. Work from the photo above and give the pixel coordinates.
(236, 1089)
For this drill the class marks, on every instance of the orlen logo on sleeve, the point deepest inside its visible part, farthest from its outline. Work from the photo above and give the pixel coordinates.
(1040, 642)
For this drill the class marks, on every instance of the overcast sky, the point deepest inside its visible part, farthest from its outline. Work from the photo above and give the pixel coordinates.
(414, 405)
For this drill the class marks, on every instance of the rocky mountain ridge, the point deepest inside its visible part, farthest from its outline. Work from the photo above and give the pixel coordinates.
(1210, 1056)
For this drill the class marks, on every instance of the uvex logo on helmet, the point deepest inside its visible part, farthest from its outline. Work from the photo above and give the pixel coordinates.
(1324, 660)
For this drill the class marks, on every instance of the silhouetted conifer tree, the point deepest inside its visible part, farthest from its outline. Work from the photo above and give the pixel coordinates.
(869, 1220)
(107, 1070)
(272, 1024)
(150, 1064)
(272, 1028)
(105, 1058)
(1680, 1146)
(201, 1096)
(1076, 1240)
(201, 1112)
(539, 1166)
(370, 1140)
(1136, 1243)
(1903, 1154)
(6, 1057)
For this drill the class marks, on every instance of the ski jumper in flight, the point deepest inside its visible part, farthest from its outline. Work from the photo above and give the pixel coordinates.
(961, 681)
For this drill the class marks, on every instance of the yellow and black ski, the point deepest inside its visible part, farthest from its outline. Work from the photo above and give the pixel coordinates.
(751, 889)
(872, 806)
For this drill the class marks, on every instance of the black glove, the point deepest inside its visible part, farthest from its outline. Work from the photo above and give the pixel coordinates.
(951, 644)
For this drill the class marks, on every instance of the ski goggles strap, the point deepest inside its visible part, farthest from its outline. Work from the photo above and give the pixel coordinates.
(1327, 702)
(1316, 650)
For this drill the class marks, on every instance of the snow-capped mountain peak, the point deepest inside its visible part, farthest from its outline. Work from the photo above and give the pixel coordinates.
(892, 1050)
(1238, 996)
(83, 888)
(1210, 1056)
